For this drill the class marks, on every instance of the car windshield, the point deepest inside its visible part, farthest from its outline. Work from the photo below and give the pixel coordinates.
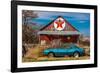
(73, 46)
(65, 45)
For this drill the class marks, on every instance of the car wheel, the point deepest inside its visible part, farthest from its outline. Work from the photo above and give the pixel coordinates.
(51, 55)
(76, 55)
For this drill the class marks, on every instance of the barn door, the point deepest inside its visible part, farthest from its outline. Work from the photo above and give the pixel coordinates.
(56, 43)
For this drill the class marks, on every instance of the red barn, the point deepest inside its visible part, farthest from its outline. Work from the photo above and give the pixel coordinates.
(59, 29)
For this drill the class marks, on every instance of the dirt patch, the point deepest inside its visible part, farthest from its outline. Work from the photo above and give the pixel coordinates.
(53, 59)
(35, 54)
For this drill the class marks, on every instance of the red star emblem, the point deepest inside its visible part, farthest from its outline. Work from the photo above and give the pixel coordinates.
(59, 23)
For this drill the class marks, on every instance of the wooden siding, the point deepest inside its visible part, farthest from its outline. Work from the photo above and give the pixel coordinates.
(65, 39)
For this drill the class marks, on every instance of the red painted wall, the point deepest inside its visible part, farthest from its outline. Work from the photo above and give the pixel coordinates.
(65, 39)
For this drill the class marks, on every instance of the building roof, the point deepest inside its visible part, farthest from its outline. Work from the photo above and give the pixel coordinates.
(59, 32)
(68, 24)
(69, 31)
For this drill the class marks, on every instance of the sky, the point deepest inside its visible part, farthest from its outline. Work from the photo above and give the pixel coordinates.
(81, 21)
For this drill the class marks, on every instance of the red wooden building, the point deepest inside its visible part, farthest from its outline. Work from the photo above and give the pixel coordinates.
(59, 29)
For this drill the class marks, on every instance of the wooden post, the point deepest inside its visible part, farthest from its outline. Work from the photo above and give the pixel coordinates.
(39, 39)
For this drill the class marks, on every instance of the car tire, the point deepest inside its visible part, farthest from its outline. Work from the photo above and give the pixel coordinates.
(51, 54)
(76, 54)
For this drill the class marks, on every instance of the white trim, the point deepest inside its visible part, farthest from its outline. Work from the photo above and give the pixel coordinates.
(53, 63)
(60, 32)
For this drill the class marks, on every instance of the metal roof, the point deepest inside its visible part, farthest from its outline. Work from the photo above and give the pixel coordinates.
(60, 32)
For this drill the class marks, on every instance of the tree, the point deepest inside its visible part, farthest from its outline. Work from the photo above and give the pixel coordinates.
(28, 14)
(28, 36)
(27, 31)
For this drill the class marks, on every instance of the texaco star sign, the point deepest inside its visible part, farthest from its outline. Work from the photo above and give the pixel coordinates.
(59, 24)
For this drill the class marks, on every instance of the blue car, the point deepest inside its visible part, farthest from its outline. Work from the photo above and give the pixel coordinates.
(72, 50)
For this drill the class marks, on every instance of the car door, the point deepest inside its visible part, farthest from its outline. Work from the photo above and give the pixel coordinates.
(61, 52)
(70, 51)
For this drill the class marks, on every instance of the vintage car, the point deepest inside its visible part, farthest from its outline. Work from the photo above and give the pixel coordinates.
(72, 50)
